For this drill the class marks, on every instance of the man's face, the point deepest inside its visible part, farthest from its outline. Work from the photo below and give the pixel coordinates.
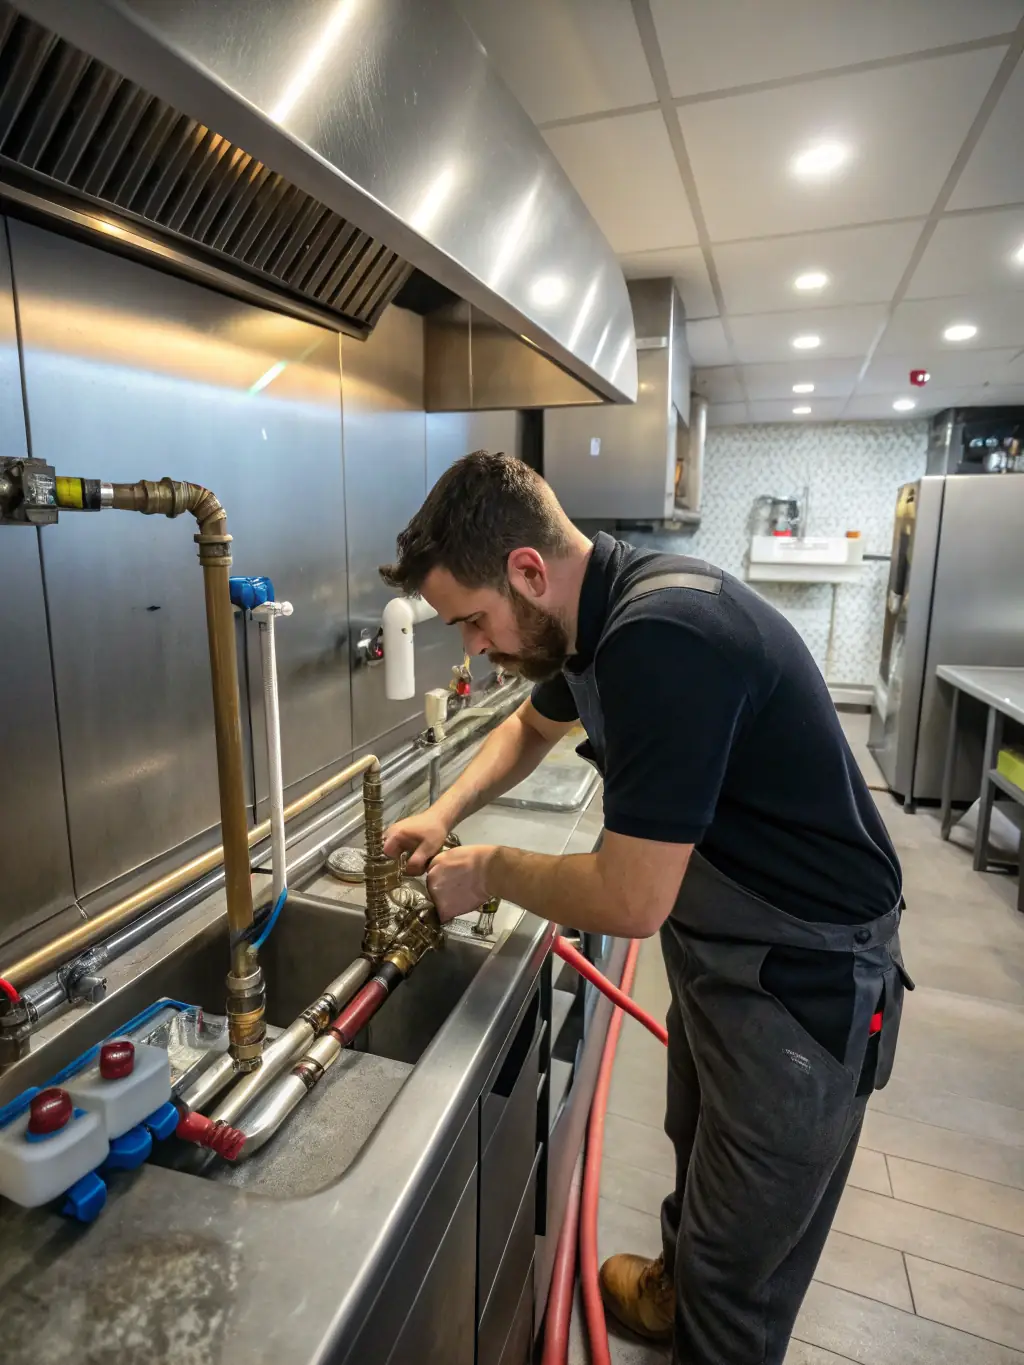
(513, 630)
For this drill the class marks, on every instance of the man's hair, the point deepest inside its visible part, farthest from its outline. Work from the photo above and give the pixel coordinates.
(481, 509)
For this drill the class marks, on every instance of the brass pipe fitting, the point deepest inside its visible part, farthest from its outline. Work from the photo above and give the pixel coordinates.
(379, 869)
(247, 1025)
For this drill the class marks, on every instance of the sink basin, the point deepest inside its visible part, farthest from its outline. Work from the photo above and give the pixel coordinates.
(308, 948)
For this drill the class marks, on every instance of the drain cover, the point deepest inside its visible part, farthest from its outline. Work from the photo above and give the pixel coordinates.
(347, 864)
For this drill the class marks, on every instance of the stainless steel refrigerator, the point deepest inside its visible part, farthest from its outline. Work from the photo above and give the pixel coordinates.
(955, 596)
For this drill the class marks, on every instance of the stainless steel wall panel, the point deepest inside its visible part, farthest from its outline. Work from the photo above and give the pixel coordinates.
(36, 882)
(133, 374)
(450, 435)
(385, 482)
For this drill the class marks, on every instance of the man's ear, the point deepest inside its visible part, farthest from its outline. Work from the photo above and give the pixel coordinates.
(527, 572)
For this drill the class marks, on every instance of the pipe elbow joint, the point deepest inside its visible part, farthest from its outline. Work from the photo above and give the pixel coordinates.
(400, 616)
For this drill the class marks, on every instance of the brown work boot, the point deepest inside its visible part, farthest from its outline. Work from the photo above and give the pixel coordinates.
(640, 1294)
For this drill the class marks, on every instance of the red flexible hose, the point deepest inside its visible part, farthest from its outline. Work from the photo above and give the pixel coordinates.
(619, 997)
(593, 1308)
(563, 1278)
(9, 991)
(359, 1010)
(219, 1137)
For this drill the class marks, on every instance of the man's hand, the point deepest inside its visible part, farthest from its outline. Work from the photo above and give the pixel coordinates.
(421, 836)
(457, 880)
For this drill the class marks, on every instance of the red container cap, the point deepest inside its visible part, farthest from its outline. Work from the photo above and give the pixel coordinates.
(117, 1059)
(50, 1111)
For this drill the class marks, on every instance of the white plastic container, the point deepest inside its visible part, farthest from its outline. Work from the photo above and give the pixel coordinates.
(124, 1102)
(34, 1172)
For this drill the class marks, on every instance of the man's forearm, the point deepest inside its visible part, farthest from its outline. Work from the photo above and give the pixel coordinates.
(570, 889)
(509, 754)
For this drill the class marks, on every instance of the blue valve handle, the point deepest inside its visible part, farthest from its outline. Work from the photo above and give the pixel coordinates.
(247, 593)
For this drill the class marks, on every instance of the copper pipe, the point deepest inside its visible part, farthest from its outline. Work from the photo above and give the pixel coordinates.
(227, 730)
(46, 959)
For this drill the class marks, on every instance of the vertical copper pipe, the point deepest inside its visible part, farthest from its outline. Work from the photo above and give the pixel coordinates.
(220, 625)
(246, 996)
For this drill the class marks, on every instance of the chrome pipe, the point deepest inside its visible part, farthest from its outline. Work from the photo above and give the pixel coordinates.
(272, 1113)
(294, 1041)
(288, 1095)
(208, 1086)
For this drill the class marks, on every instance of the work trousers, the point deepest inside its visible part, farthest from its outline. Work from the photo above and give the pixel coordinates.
(765, 1125)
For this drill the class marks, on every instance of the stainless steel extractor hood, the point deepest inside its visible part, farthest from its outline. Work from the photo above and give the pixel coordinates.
(643, 462)
(318, 150)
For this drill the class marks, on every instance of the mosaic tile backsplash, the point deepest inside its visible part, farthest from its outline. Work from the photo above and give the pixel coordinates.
(852, 471)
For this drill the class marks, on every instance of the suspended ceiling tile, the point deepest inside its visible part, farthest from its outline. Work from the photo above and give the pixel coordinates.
(949, 369)
(831, 379)
(717, 44)
(918, 324)
(708, 343)
(686, 266)
(563, 58)
(978, 253)
(845, 332)
(863, 265)
(626, 175)
(719, 384)
(727, 414)
(879, 407)
(998, 395)
(995, 172)
(825, 410)
(903, 127)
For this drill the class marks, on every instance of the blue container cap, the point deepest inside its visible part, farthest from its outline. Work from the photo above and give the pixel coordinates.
(129, 1150)
(85, 1199)
(163, 1121)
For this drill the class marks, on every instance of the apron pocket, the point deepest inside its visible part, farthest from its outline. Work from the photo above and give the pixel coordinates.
(897, 980)
(762, 1075)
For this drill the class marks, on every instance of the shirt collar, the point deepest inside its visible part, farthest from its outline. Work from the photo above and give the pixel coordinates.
(594, 598)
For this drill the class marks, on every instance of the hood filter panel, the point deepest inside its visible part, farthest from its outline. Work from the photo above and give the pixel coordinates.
(68, 120)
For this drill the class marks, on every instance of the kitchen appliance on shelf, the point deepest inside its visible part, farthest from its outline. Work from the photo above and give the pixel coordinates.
(954, 596)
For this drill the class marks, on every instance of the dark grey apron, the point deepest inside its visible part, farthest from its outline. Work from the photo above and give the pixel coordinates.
(726, 931)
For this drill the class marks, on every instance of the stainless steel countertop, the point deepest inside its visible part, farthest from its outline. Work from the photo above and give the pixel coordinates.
(1002, 688)
(177, 1265)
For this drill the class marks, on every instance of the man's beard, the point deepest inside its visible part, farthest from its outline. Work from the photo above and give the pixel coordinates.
(544, 643)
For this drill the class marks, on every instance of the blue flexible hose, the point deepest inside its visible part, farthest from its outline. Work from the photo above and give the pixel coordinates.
(271, 920)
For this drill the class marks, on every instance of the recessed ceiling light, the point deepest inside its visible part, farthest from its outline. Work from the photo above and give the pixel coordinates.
(1018, 255)
(801, 411)
(960, 331)
(803, 388)
(809, 342)
(810, 280)
(904, 404)
(819, 160)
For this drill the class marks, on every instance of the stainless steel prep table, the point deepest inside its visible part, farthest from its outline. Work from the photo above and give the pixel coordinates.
(1002, 692)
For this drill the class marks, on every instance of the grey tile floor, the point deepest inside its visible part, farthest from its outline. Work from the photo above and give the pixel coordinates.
(925, 1264)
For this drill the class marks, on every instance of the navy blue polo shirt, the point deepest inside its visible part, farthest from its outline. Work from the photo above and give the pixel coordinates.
(720, 732)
